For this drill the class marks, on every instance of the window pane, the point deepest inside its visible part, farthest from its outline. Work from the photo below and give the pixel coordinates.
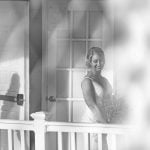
(62, 111)
(78, 110)
(63, 31)
(63, 34)
(79, 24)
(62, 84)
(95, 24)
(79, 51)
(63, 53)
(77, 79)
(95, 44)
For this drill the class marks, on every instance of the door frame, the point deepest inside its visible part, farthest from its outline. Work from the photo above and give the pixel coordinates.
(44, 55)
(27, 87)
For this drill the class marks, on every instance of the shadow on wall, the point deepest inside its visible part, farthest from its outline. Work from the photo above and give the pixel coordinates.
(9, 108)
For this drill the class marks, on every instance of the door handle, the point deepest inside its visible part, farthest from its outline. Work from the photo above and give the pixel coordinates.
(20, 99)
(51, 99)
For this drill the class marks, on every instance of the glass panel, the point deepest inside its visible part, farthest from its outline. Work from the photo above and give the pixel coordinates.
(95, 44)
(62, 34)
(63, 31)
(95, 24)
(62, 84)
(79, 24)
(62, 111)
(63, 54)
(77, 79)
(79, 51)
(78, 110)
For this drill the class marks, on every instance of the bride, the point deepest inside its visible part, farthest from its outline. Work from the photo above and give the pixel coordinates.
(97, 93)
(96, 89)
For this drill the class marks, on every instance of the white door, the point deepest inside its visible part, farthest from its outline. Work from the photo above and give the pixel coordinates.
(13, 64)
(81, 28)
(68, 43)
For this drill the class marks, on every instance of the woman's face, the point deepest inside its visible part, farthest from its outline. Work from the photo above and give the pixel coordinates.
(97, 62)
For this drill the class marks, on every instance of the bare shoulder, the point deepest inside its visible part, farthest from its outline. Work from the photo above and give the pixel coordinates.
(87, 89)
(86, 81)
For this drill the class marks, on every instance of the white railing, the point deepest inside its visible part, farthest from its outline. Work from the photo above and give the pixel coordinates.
(40, 126)
(9, 127)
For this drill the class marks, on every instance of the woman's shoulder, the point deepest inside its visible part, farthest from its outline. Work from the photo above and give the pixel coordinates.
(87, 78)
(87, 81)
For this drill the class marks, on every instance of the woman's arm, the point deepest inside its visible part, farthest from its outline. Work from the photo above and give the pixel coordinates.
(89, 96)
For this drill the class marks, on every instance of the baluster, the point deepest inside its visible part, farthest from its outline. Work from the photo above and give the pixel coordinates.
(59, 140)
(22, 140)
(73, 142)
(86, 141)
(114, 146)
(39, 129)
(10, 145)
(99, 141)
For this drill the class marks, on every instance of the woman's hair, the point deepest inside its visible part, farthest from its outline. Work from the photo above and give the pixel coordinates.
(90, 53)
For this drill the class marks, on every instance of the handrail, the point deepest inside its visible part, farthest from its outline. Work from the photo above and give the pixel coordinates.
(61, 126)
(40, 127)
(88, 127)
(16, 124)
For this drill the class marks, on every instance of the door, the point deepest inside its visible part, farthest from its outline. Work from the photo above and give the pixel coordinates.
(13, 65)
(72, 30)
(70, 33)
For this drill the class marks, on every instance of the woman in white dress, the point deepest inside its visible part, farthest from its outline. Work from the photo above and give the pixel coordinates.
(96, 89)
(97, 92)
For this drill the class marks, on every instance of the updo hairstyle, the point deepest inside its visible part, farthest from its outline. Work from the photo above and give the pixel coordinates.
(90, 53)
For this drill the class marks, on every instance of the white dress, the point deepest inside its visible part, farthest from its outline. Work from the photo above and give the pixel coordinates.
(89, 117)
(108, 108)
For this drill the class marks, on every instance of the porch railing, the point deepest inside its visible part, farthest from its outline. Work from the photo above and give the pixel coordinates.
(40, 127)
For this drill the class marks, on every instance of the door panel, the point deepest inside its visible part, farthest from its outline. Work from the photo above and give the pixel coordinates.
(13, 63)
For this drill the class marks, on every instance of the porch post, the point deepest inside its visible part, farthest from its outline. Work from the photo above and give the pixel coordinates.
(39, 129)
